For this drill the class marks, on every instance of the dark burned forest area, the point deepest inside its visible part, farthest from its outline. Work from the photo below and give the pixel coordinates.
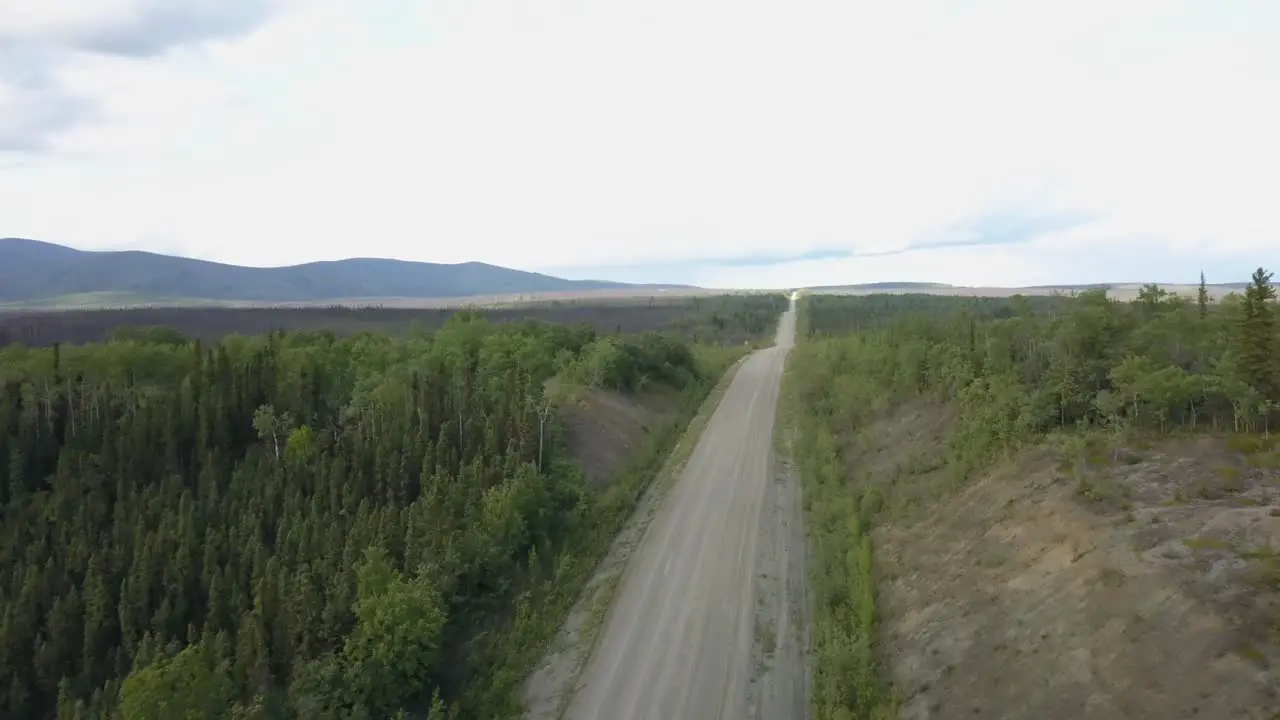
(716, 319)
(378, 519)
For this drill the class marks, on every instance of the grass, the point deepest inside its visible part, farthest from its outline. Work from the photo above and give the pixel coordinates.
(1250, 652)
(1252, 444)
(1265, 461)
(1208, 543)
(1231, 479)
(109, 299)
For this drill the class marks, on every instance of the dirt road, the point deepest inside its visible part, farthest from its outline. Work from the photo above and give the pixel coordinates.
(684, 636)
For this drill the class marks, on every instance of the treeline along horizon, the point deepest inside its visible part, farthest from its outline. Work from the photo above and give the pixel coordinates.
(298, 525)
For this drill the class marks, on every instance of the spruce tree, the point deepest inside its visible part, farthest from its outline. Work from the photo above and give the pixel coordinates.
(1257, 335)
(1202, 298)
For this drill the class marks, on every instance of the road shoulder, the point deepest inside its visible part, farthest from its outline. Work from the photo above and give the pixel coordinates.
(780, 647)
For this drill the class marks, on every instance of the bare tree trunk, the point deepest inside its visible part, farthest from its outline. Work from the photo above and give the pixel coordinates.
(543, 412)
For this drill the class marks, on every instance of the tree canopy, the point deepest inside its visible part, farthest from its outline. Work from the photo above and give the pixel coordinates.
(293, 524)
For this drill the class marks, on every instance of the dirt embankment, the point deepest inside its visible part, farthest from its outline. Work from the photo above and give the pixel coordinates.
(1077, 580)
(606, 428)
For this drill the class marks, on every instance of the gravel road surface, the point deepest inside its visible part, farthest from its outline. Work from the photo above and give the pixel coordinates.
(679, 640)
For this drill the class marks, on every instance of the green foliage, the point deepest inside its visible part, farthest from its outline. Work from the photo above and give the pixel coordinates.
(840, 314)
(191, 685)
(730, 319)
(396, 642)
(1258, 337)
(148, 334)
(629, 364)
(1202, 298)
(299, 525)
(846, 673)
(1155, 364)
(847, 681)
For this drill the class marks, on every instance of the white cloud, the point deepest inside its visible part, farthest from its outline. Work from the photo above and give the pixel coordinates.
(567, 132)
(59, 19)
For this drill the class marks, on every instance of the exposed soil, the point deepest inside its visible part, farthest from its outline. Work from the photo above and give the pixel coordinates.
(605, 429)
(1101, 582)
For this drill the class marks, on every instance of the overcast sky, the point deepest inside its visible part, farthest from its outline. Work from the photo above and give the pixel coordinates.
(721, 142)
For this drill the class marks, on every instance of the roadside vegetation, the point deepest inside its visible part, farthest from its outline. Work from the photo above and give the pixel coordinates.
(300, 525)
(1083, 377)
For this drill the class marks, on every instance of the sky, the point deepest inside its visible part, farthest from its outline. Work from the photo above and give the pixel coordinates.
(724, 143)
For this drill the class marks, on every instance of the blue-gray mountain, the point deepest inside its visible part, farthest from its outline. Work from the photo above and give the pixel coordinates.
(31, 271)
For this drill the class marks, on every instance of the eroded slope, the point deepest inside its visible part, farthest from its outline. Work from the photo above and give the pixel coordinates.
(1077, 579)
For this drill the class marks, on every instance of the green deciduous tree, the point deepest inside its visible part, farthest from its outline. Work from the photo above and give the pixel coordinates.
(396, 642)
(192, 685)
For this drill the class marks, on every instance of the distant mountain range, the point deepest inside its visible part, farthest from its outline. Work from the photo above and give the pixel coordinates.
(32, 271)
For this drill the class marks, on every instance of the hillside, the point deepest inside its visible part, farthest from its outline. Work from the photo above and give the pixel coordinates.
(31, 271)
(1060, 508)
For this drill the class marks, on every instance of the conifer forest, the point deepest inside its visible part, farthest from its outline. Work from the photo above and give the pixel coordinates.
(302, 525)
